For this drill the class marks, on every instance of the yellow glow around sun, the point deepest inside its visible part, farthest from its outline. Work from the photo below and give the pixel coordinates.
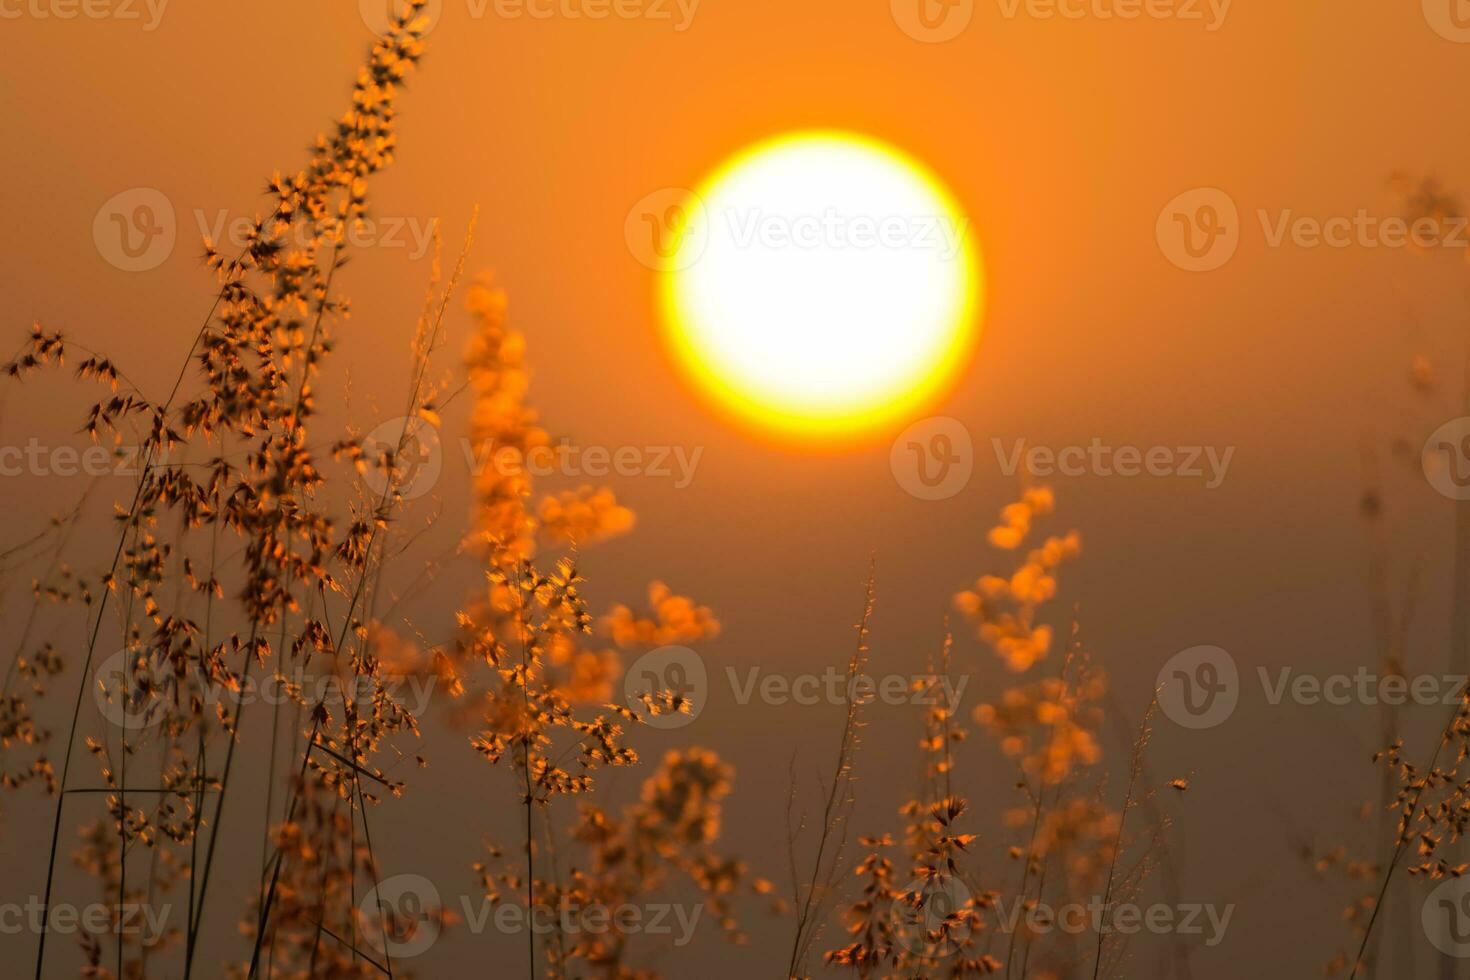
(822, 284)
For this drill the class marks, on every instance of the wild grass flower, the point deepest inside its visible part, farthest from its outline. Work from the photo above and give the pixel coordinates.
(1069, 844)
(1005, 609)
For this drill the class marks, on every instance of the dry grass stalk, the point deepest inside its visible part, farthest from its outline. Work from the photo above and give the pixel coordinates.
(812, 901)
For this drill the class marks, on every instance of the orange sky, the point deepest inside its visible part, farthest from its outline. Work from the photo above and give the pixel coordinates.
(1062, 138)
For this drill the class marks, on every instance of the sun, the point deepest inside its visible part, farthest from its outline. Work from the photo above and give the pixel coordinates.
(821, 284)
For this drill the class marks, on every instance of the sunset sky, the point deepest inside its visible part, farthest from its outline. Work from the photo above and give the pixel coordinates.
(1067, 143)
